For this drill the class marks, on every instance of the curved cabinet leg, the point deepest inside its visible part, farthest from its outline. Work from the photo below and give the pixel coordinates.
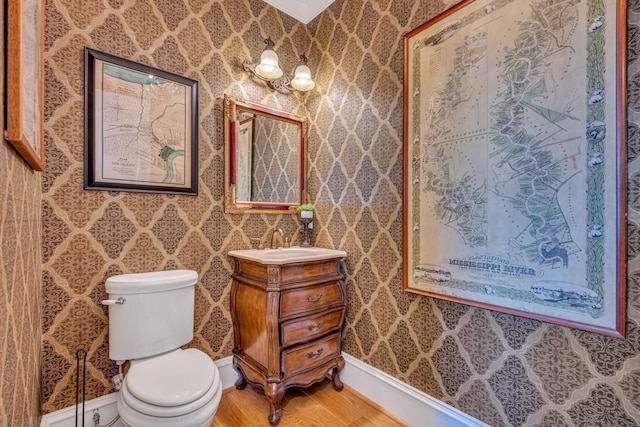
(335, 378)
(335, 374)
(274, 393)
(241, 382)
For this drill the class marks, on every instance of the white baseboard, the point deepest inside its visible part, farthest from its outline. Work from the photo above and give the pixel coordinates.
(228, 375)
(107, 404)
(407, 403)
(412, 406)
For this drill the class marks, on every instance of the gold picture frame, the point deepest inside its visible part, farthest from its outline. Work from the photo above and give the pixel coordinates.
(515, 160)
(25, 80)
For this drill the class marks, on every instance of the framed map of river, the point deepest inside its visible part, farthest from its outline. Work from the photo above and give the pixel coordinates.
(514, 159)
(141, 127)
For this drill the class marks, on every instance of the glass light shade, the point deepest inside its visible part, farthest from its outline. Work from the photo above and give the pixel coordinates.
(268, 68)
(302, 78)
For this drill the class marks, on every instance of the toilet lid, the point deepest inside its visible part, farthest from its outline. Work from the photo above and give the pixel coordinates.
(173, 379)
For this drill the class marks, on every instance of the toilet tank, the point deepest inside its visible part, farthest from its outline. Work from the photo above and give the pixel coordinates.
(156, 315)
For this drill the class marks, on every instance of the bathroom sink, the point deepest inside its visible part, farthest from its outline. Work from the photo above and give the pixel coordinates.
(287, 255)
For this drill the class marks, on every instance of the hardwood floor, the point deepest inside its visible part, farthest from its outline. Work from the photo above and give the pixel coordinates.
(316, 406)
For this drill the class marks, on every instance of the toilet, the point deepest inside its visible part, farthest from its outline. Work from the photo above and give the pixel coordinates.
(150, 318)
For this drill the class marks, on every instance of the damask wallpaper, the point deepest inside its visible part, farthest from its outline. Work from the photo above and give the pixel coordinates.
(91, 235)
(504, 370)
(20, 271)
(275, 165)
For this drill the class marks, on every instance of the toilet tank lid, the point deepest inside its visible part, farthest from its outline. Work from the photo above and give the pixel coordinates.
(156, 281)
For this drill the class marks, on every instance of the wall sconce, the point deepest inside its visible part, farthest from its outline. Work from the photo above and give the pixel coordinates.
(268, 70)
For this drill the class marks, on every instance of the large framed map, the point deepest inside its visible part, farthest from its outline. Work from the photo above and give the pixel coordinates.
(515, 159)
(25, 76)
(141, 127)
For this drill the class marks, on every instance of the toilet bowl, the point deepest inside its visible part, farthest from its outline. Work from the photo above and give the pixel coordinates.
(180, 388)
(150, 318)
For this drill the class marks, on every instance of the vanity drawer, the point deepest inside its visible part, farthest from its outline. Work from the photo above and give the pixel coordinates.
(307, 355)
(309, 327)
(302, 300)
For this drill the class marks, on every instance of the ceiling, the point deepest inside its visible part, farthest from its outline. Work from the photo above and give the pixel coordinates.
(303, 10)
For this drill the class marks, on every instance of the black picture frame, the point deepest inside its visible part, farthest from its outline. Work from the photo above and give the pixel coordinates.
(141, 127)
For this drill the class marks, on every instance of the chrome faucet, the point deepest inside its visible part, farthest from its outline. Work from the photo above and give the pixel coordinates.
(274, 244)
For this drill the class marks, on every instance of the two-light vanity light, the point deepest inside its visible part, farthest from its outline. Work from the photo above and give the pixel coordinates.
(269, 70)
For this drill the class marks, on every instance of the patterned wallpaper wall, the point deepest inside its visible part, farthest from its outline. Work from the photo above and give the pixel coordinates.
(504, 370)
(91, 235)
(276, 163)
(20, 290)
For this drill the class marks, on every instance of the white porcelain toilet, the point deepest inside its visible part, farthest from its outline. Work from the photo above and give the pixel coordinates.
(150, 317)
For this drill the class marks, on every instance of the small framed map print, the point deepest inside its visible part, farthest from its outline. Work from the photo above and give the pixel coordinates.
(141, 127)
(515, 159)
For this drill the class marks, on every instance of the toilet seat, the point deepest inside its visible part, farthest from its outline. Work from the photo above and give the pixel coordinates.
(172, 379)
(193, 378)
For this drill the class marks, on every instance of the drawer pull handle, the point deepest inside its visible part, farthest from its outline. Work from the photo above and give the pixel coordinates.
(312, 299)
(316, 327)
(312, 355)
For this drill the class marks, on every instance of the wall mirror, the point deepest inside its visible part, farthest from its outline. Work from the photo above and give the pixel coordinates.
(264, 158)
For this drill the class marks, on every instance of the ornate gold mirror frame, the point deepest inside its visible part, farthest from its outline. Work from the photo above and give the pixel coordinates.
(265, 158)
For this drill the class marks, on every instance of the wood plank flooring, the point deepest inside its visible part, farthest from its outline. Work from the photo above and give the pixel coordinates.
(316, 406)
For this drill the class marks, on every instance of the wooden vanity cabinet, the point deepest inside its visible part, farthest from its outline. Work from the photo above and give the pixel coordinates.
(287, 322)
